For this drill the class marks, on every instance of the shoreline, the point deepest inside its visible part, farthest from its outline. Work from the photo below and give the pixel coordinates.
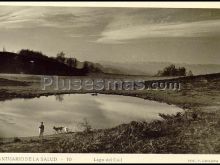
(195, 98)
(112, 94)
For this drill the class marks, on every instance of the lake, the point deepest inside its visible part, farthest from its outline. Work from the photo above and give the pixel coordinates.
(22, 117)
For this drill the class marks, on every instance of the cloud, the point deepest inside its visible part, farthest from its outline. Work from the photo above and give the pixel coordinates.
(190, 29)
(32, 17)
(112, 25)
(21, 18)
(75, 36)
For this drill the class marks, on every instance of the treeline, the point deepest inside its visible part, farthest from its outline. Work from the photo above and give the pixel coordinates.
(33, 62)
(172, 70)
(73, 62)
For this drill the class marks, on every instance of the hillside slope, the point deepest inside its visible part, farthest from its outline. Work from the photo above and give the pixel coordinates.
(35, 64)
(196, 130)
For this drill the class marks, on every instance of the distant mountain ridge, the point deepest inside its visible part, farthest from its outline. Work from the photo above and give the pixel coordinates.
(31, 62)
(151, 68)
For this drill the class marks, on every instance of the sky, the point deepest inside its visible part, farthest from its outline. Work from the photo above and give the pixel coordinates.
(114, 34)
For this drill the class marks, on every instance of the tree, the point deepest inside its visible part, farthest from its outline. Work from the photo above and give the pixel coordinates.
(61, 56)
(172, 71)
(31, 53)
(4, 50)
(181, 71)
(190, 73)
(71, 62)
(86, 125)
(86, 67)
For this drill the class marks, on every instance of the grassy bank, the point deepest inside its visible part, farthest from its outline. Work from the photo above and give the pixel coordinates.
(197, 130)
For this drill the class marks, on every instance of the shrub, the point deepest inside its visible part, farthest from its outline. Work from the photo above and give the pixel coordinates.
(86, 126)
(16, 139)
(172, 71)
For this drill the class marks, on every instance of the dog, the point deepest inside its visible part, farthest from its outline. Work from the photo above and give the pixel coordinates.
(58, 129)
(61, 129)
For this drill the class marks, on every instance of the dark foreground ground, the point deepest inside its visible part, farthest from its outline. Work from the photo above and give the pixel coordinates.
(197, 130)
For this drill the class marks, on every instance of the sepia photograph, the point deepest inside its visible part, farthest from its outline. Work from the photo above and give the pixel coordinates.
(109, 80)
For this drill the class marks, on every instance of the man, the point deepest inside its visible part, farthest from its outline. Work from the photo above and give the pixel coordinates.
(41, 130)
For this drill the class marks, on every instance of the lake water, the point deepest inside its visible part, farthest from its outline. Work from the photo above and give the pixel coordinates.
(22, 117)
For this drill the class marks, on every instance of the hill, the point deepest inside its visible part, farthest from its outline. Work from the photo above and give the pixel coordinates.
(151, 68)
(37, 64)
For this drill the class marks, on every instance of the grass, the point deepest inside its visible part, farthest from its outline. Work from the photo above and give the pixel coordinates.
(197, 130)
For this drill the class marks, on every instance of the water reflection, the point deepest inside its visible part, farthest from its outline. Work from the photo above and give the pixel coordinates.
(21, 117)
(59, 98)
